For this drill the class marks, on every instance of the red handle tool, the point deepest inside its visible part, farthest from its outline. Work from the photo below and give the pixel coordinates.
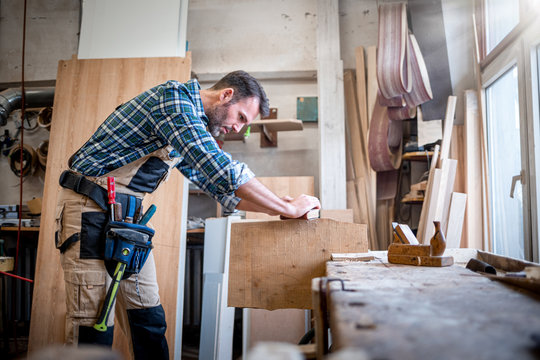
(111, 193)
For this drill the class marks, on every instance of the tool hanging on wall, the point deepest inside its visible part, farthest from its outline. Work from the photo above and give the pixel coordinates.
(25, 163)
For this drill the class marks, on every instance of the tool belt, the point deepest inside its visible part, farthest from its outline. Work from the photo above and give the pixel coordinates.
(94, 246)
(129, 244)
(81, 185)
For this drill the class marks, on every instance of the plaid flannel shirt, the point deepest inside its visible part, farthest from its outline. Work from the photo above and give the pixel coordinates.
(170, 113)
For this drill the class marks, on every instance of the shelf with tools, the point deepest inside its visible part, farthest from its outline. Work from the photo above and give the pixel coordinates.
(416, 194)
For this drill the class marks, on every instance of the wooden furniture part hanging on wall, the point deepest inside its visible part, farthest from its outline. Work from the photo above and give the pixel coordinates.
(87, 91)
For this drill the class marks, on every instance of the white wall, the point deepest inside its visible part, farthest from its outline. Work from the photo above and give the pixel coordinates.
(459, 41)
(269, 36)
(52, 28)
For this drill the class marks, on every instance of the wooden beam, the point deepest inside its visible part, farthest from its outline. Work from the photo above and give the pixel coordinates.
(332, 183)
(456, 216)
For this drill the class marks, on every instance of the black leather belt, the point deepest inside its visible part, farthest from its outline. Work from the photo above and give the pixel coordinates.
(81, 185)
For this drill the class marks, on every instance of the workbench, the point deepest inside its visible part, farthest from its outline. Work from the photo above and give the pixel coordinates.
(413, 312)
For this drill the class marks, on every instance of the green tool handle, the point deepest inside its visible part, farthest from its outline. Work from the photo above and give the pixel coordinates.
(101, 323)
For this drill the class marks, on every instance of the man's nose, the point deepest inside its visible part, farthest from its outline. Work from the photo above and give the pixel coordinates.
(237, 127)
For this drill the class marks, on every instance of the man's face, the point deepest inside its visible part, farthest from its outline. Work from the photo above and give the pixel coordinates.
(224, 117)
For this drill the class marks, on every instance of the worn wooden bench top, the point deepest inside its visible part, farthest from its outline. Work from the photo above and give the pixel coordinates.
(407, 312)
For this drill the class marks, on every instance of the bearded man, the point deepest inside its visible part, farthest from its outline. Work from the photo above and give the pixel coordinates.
(172, 125)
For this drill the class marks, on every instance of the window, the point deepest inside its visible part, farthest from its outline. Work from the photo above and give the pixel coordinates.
(504, 163)
(502, 16)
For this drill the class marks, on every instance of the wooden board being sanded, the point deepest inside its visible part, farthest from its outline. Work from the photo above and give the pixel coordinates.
(272, 262)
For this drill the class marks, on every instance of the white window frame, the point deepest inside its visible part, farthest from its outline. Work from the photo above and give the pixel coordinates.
(522, 51)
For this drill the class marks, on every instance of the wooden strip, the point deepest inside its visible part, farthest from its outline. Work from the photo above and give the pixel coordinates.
(332, 182)
(381, 157)
(387, 184)
(421, 88)
(385, 215)
(473, 170)
(430, 203)
(393, 67)
(272, 262)
(486, 228)
(401, 113)
(427, 195)
(372, 85)
(395, 101)
(457, 151)
(352, 257)
(86, 93)
(444, 193)
(361, 93)
(456, 216)
(447, 132)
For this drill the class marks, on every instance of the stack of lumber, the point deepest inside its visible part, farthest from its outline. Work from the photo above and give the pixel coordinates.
(360, 94)
(441, 203)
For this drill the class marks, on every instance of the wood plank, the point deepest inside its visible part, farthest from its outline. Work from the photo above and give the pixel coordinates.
(272, 262)
(454, 224)
(352, 257)
(371, 90)
(427, 196)
(448, 126)
(481, 115)
(372, 85)
(361, 94)
(332, 183)
(473, 182)
(431, 207)
(86, 92)
(359, 157)
(457, 151)
(445, 190)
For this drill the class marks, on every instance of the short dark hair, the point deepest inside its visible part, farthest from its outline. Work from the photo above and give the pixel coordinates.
(245, 86)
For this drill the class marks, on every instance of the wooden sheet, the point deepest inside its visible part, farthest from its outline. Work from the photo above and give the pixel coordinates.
(87, 91)
(272, 262)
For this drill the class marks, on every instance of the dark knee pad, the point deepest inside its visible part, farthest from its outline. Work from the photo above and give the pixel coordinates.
(148, 333)
(89, 335)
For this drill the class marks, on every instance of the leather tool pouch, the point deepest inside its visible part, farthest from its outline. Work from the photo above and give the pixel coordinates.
(127, 243)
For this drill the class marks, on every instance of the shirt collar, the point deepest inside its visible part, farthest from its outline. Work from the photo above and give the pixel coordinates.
(194, 88)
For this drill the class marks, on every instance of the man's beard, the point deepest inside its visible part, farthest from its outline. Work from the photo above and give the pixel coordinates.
(216, 117)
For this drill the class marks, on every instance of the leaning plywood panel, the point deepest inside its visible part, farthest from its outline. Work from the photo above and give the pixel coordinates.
(272, 262)
(86, 92)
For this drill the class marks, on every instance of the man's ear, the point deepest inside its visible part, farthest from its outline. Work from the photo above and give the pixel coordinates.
(226, 95)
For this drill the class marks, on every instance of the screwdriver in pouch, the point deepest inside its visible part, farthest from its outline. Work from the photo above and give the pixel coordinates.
(148, 214)
(111, 193)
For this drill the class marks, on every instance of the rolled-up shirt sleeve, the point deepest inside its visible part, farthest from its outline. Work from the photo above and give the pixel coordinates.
(203, 162)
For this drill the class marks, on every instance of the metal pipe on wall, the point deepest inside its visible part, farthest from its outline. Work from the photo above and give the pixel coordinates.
(11, 99)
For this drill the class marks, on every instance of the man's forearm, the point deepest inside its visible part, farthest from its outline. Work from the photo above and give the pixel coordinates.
(257, 197)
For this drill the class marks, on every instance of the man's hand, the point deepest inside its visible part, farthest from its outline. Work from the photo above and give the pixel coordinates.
(257, 197)
(302, 204)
